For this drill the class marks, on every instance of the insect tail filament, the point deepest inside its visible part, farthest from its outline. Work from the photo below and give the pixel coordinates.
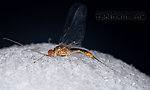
(104, 64)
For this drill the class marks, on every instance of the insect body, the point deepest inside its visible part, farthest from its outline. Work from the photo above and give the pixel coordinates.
(66, 50)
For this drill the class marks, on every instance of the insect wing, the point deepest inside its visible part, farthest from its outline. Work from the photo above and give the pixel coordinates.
(73, 33)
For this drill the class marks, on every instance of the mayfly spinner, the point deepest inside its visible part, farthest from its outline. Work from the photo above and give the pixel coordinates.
(72, 36)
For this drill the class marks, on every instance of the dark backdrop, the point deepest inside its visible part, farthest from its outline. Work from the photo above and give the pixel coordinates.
(36, 22)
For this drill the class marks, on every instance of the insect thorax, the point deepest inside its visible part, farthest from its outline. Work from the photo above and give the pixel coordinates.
(62, 51)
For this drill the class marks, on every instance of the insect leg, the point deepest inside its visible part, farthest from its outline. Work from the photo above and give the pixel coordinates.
(71, 59)
(38, 59)
(39, 52)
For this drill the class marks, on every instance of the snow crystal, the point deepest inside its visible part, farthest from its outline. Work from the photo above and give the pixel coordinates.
(75, 72)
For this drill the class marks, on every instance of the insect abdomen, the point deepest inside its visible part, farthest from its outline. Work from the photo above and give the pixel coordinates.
(82, 51)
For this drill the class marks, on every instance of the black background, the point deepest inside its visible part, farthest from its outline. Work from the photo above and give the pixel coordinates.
(35, 22)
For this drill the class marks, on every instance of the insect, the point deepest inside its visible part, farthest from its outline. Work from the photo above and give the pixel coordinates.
(72, 36)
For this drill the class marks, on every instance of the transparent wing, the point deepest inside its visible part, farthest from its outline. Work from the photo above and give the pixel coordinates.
(73, 33)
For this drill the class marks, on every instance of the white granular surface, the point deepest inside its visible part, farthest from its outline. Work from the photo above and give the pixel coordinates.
(75, 72)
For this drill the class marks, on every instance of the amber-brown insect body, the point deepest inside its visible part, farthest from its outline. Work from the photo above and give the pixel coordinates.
(67, 50)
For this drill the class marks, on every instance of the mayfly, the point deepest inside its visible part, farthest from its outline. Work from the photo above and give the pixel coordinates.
(72, 36)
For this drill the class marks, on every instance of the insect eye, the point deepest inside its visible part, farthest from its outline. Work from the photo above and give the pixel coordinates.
(50, 52)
